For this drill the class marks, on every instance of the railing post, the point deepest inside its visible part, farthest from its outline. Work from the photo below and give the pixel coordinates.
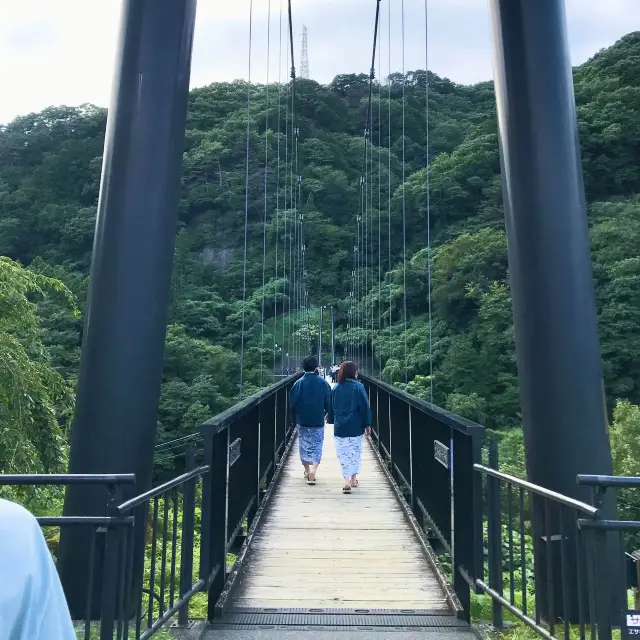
(411, 503)
(109, 596)
(494, 535)
(466, 513)
(213, 553)
(188, 526)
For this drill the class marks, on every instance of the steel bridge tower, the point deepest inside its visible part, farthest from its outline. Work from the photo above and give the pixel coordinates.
(304, 71)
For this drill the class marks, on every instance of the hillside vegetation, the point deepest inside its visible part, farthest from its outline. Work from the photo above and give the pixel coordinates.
(49, 179)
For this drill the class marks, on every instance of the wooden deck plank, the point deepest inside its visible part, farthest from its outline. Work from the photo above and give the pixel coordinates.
(319, 548)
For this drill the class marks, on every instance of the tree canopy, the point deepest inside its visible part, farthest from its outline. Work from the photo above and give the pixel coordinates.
(49, 180)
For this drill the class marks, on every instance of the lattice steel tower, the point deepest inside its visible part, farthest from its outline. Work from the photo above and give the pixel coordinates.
(304, 59)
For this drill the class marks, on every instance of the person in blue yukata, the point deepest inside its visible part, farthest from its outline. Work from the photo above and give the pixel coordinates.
(32, 603)
(350, 414)
(310, 397)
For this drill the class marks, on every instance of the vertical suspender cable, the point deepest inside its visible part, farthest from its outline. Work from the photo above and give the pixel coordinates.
(366, 199)
(300, 316)
(246, 204)
(389, 183)
(379, 199)
(371, 253)
(368, 213)
(365, 234)
(266, 184)
(287, 281)
(404, 211)
(426, 68)
(295, 261)
(277, 287)
(295, 134)
(302, 298)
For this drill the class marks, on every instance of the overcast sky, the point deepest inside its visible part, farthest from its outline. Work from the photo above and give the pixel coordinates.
(62, 51)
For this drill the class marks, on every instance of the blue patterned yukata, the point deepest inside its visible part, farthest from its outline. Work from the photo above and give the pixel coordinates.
(310, 398)
(311, 442)
(349, 452)
(351, 415)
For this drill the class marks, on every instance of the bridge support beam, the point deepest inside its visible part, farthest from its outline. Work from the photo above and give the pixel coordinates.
(554, 309)
(123, 344)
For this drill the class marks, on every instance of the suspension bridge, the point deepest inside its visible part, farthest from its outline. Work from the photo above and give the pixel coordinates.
(238, 545)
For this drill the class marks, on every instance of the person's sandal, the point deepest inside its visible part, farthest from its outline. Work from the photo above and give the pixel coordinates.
(355, 483)
(346, 490)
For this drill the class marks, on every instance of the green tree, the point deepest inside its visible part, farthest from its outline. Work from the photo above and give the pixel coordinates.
(35, 400)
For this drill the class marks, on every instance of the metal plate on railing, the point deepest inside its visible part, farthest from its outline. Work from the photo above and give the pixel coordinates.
(234, 451)
(441, 453)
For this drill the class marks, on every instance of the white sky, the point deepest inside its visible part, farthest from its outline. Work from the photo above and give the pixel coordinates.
(62, 51)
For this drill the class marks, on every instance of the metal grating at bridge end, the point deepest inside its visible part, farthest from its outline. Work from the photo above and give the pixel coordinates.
(337, 619)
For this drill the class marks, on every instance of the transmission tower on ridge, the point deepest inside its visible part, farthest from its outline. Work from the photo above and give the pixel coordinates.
(304, 59)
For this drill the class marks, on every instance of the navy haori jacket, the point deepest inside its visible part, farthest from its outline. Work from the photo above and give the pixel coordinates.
(350, 411)
(310, 399)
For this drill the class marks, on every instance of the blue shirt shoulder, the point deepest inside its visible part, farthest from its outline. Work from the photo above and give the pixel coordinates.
(32, 603)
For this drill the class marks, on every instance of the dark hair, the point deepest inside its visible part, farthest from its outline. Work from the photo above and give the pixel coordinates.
(310, 363)
(348, 370)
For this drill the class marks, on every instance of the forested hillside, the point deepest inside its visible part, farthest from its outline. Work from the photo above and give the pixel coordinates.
(49, 178)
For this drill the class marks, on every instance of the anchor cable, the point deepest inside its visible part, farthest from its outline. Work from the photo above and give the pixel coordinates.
(404, 207)
(266, 185)
(426, 67)
(246, 203)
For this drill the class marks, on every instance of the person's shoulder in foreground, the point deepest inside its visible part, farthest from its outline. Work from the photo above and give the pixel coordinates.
(32, 603)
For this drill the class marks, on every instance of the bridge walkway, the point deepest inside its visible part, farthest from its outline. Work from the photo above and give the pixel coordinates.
(322, 561)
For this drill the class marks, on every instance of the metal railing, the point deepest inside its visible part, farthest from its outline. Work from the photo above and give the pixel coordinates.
(426, 447)
(209, 508)
(551, 560)
(243, 447)
(109, 536)
(166, 585)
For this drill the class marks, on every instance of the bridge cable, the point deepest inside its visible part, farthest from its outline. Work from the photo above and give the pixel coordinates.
(368, 248)
(294, 210)
(379, 203)
(298, 247)
(246, 203)
(266, 184)
(287, 237)
(426, 68)
(294, 238)
(277, 287)
(365, 230)
(366, 200)
(291, 223)
(372, 76)
(389, 189)
(404, 207)
(295, 193)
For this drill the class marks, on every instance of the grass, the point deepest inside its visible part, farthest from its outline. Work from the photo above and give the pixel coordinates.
(520, 631)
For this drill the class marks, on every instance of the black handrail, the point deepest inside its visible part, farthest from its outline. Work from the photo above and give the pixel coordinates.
(243, 448)
(53, 479)
(538, 490)
(162, 488)
(608, 481)
(451, 419)
(610, 525)
(95, 521)
(425, 447)
(224, 419)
